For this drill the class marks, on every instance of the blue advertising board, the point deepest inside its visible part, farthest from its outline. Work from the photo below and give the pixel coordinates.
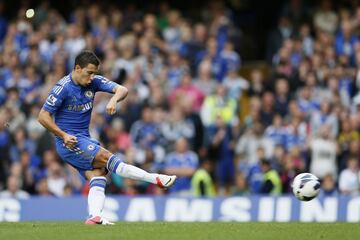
(149, 208)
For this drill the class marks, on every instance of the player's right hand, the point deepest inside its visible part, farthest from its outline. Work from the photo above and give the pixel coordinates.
(70, 141)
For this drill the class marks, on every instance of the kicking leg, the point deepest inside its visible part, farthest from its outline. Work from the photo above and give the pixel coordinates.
(96, 197)
(116, 165)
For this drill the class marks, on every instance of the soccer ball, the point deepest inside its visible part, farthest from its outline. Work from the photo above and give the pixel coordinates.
(306, 186)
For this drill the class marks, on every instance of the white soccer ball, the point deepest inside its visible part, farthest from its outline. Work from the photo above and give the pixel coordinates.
(306, 186)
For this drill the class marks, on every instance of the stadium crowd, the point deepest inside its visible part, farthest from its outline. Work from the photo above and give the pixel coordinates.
(188, 112)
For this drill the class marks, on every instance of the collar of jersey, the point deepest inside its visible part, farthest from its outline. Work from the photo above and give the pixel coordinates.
(73, 82)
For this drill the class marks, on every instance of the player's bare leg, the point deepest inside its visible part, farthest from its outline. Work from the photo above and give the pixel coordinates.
(96, 197)
(116, 165)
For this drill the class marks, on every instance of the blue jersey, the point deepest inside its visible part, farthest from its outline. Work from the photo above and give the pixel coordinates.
(72, 104)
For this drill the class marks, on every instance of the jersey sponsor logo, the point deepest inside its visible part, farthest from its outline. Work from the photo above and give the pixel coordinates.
(89, 94)
(79, 107)
(51, 100)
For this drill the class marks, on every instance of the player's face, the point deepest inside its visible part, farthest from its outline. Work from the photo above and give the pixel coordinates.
(86, 74)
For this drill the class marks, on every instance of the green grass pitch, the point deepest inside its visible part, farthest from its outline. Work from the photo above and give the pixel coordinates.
(177, 230)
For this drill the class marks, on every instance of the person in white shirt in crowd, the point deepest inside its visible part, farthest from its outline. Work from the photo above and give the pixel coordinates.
(323, 154)
(56, 179)
(248, 144)
(13, 189)
(325, 18)
(349, 179)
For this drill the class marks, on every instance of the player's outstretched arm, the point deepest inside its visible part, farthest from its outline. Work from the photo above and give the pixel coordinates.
(120, 94)
(46, 119)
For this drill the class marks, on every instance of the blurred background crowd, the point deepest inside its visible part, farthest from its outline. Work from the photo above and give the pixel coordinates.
(232, 100)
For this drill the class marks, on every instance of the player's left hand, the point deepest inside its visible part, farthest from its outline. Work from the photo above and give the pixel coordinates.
(111, 107)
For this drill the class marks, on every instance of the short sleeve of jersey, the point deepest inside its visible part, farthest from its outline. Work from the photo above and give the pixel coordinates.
(55, 99)
(103, 84)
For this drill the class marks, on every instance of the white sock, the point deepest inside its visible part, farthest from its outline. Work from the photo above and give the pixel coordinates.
(116, 165)
(96, 197)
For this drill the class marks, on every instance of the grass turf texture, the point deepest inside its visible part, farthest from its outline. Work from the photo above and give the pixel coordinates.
(177, 230)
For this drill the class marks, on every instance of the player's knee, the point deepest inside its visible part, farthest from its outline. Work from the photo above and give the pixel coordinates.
(101, 158)
(98, 172)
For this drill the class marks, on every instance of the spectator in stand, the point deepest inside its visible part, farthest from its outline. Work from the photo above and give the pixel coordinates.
(256, 83)
(276, 131)
(307, 39)
(25, 170)
(197, 44)
(201, 183)
(272, 183)
(282, 96)
(21, 143)
(352, 151)
(287, 173)
(349, 180)
(231, 58)
(323, 154)
(247, 146)
(187, 89)
(254, 112)
(13, 189)
(56, 179)
(218, 65)
(235, 84)
(194, 118)
(346, 136)
(240, 187)
(325, 18)
(172, 33)
(306, 102)
(204, 81)
(283, 31)
(182, 163)
(146, 135)
(176, 127)
(220, 150)
(253, 173)
(345, 41)
(216, 105)
(42, 188)
(278, 159)
(122, 138)
(325, 116)
(297, 160)
(175, 70)
(328, 186)
(267, 108)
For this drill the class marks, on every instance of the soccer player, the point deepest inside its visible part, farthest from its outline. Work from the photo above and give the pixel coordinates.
(66, 113)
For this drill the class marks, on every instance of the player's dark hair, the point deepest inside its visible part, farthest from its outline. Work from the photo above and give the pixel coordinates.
(86, 57)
